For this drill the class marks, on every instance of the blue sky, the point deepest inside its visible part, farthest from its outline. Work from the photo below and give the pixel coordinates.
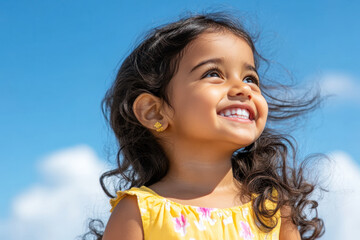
(57, 58)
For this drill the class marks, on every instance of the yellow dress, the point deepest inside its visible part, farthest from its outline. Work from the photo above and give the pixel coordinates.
(165, 219)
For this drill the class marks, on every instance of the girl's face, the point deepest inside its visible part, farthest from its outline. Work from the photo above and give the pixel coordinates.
(215, 93)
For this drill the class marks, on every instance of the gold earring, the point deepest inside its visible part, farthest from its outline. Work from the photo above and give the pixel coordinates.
(159, 127)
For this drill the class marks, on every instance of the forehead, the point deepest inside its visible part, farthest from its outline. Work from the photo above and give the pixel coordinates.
(223, 44)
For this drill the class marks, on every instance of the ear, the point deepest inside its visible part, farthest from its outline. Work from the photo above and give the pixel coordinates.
(148, 110)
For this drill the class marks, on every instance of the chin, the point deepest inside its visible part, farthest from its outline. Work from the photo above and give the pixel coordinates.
(242, 144)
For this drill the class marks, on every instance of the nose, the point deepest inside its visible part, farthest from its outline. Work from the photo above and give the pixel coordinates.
(240, 89)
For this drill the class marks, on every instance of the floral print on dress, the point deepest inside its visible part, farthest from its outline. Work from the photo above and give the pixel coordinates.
(180, 225)
(228, 220)
(205, 214)
(245, 212)
(200, 225)
(226, 217)
(245, 231)
(167, 204)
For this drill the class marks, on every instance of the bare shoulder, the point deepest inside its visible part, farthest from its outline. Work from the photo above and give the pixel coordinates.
(288, 230)
(125, 221)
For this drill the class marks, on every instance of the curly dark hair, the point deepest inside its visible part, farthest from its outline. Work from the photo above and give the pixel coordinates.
(269, 164)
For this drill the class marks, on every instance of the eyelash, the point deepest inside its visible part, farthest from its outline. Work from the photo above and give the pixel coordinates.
(253, 78)
(216, 70)
(212, 70)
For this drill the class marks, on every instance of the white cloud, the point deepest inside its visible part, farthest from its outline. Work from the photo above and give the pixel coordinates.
(58, 207)
(341, 85)
(339, 207)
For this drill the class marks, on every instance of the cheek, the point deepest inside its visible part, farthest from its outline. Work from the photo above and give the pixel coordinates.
(263, 112)
(193, 106)
(201, 99)
(261, 107)
(266, 108)
(208, 97)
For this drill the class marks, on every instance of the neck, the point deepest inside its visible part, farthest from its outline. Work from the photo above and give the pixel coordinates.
(200, 168)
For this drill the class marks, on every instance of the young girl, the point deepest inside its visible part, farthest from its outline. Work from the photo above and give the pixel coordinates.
(190, 113)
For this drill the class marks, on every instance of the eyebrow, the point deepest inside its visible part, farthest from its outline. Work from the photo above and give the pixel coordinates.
(212, 60)
(220, 60)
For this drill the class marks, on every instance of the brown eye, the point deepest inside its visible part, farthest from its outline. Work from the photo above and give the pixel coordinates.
(211, 74)
(251, 79)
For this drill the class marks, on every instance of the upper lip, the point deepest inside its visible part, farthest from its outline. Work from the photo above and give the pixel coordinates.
(242, 106)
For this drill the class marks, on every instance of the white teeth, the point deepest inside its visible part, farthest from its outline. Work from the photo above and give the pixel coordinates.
(245, 113)
(236, 113)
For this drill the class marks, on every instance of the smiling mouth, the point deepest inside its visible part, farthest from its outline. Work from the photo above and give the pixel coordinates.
(236, 113)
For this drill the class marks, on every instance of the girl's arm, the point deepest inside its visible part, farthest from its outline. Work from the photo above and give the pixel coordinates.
(288, 230)
(125, 221)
